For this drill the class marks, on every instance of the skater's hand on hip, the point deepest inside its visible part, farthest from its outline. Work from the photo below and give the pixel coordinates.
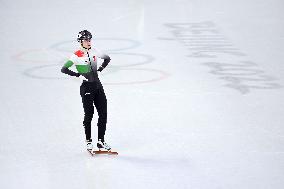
(100, 68)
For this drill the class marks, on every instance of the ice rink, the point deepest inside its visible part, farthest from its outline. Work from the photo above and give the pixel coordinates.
(195, 93)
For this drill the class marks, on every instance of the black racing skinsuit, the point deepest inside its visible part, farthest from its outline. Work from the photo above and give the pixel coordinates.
(92, 93)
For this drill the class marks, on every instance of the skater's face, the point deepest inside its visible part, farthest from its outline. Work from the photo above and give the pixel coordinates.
(86, 43)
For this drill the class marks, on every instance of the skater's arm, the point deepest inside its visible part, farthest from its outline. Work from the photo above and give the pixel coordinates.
(65, 69)
(105, 63)
(104, 56)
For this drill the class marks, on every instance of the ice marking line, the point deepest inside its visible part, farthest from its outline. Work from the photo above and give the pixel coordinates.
(21, 56)
(54, 49)
(162, 75)
(29, 72)
(148, 59)
(132, 44)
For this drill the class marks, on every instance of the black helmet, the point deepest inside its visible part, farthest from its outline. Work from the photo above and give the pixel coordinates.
(84, 35)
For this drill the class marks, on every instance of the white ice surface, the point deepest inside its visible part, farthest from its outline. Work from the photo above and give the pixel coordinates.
(176, 120)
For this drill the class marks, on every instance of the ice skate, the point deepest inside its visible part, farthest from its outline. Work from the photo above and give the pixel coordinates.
(89, 145)
(104, 148)
(103, 145)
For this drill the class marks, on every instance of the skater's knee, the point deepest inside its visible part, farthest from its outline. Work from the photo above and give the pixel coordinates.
(86, 123)
(89, 111)
(88, 118)
(89, 115)
(103, 115)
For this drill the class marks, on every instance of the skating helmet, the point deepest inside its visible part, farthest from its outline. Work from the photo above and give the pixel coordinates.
(84, 35)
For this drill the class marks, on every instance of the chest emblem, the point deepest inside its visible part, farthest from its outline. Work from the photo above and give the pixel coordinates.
(79, 53)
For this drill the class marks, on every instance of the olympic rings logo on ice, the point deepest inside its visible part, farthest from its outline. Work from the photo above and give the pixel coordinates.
(122, 69)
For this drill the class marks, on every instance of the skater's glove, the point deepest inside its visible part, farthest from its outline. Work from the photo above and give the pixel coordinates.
(100, 68)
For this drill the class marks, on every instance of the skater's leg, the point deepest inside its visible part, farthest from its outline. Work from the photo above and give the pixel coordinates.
(87, 100)
(100, 102)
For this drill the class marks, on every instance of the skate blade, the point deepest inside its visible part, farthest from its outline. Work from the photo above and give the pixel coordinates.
(105, 152)
(98, 152)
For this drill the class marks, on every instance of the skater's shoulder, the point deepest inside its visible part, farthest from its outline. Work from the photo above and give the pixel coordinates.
(100, 53)
(96, 50)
